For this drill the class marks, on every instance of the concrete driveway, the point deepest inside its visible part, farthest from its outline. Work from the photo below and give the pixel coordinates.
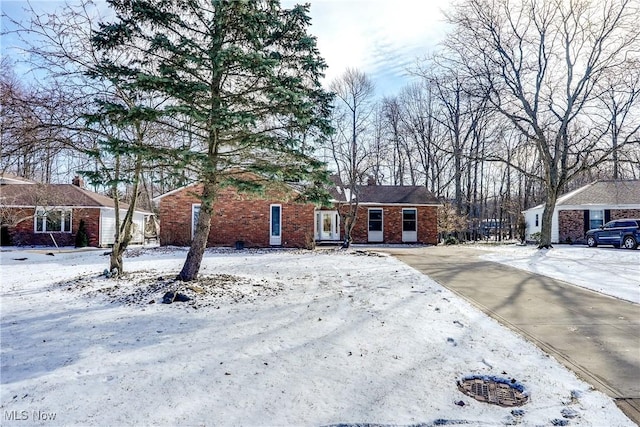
(596, 336)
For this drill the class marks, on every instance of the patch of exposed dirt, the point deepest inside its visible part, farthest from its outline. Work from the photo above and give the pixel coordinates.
(143, 287)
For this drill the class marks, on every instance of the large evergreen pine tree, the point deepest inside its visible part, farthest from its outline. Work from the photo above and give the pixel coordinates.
(241, 80)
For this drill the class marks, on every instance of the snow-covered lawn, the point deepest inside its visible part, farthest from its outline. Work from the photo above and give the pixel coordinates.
(269, 338)
(610, 271)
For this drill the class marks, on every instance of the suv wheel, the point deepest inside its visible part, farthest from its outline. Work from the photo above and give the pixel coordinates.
(591, 242)
(629, 243)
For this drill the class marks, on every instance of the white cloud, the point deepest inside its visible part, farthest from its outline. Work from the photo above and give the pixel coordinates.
(381, 38)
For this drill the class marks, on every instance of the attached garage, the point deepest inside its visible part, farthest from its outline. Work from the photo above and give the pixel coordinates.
(108, 226)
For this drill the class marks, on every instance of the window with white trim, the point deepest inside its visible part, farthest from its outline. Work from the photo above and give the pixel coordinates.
(375, 219)
(409, 219)
(52, 220)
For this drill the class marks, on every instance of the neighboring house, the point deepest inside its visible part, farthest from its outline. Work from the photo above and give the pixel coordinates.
(39, 214)
(587, 207)
(389, 214)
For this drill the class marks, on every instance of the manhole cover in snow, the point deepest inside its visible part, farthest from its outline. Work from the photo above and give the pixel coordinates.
(499, 391)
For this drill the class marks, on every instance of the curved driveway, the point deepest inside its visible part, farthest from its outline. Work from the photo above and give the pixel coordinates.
(596, 336)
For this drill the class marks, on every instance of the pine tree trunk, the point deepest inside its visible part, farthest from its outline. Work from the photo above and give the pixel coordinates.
(121, 244)
(192, 263)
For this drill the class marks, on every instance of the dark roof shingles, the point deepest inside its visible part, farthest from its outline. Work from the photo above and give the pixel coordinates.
(413, 195)
(388, 194)
(53, 195)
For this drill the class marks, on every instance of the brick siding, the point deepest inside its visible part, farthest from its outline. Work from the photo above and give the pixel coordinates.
(92, 224)
(625, 213)
(427, 224)
(236, 217)
(570, 226)
(571, 223)
(23, 234)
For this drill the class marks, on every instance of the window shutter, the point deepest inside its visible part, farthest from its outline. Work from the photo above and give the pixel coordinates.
(607, 215)
(586, 224)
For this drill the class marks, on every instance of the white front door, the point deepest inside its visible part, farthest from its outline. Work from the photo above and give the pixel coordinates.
(376, 227)
(327, 225)
(409, 225)
(275, 228)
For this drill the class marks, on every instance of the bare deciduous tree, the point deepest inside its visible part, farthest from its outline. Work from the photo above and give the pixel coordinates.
(353, 109)
(31, 148)
(620, 96)
(423, 127)
(539, 62)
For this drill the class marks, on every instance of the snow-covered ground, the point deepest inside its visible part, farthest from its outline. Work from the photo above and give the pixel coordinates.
(610, 271)
(269, 338)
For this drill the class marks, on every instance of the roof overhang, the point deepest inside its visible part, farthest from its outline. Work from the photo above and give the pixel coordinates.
(177, 190)
(74, 207)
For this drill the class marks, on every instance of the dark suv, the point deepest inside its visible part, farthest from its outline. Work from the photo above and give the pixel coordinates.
(621, 232)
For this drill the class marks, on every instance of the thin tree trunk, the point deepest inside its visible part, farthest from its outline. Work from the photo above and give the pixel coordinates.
(349, 224)
(115, 263)
(123, 231)
(115, 259)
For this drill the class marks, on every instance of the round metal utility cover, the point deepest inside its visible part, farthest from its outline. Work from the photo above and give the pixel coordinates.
(499, 391)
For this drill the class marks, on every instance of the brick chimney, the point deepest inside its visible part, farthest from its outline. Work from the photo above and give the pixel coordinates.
(77, 181)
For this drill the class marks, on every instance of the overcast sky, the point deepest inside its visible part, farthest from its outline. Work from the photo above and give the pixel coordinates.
(382, 38)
